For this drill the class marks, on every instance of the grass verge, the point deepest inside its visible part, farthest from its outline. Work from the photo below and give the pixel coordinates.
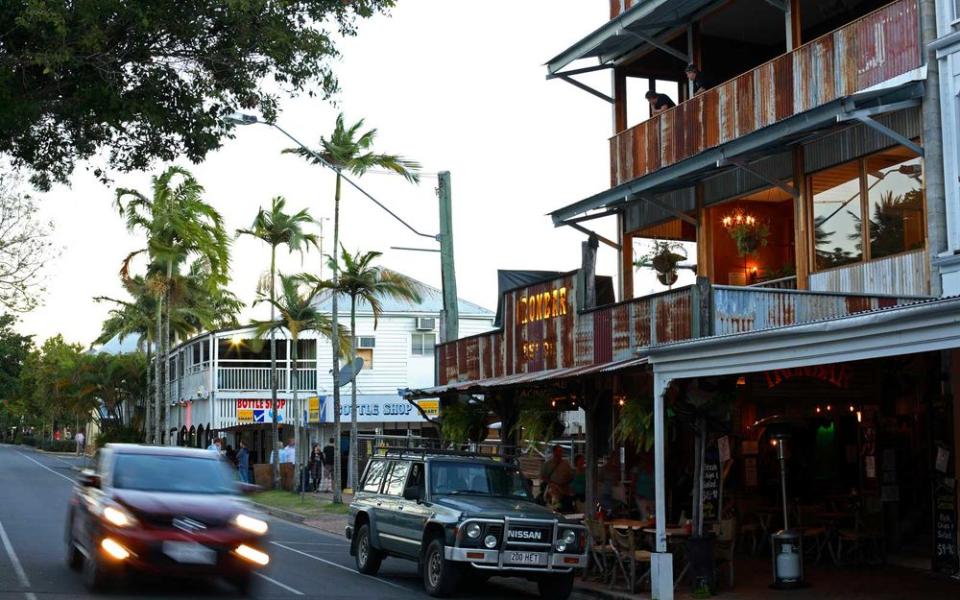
(310, 506)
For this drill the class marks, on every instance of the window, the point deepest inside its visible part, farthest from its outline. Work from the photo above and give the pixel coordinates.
(371, 482)
(366, 342)
(396, 479)
(421, 344)
(868, 209)
(415, 482)
(366, 354)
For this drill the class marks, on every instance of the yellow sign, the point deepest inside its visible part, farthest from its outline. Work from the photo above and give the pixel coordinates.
(313, 409)
(543, 306)
(245, 415)
(430, 407)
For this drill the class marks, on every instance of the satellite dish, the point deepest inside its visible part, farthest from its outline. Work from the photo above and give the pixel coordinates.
(348, 372)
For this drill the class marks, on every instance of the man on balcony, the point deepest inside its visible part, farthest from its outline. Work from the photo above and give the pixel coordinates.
(658, 102)
(700, 83)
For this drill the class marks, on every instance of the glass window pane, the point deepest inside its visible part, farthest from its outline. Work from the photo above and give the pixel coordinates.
(895, 200)
(429, 341)
(837, 216)
(416, 345)
(396, 479)
(374, 476)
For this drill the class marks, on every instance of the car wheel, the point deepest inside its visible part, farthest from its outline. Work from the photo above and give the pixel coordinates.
(556, 587)
(368, 557)
(74, 557)
(439, 574)
(95, 575)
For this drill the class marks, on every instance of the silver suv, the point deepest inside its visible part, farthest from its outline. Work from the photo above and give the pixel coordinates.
(461, 516)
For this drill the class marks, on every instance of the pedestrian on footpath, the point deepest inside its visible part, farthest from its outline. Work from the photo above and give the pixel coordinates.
(81, 443)
(316, 467)
(215, 446)
(328, 453)
(289, 453)
(243, 462)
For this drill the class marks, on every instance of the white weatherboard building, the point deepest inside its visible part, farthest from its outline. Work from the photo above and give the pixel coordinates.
(221, 380)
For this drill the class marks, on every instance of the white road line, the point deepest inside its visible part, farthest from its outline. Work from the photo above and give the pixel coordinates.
(43, 466)
(339, 566)
(15, 561)
(293, 591)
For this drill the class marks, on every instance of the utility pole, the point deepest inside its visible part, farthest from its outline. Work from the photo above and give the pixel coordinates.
(450, 323)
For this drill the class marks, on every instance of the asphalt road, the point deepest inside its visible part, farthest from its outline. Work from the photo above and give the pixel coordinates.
(305, 563)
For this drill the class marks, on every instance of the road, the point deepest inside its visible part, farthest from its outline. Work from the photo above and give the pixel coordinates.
(305, 563)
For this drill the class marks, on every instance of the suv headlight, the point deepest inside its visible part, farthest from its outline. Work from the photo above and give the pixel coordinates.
(118, 516)
(566, 539)
(251, 524)
(473, 531)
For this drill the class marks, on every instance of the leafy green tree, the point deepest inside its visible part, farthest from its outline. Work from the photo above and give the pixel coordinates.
(179, 226)
(361, 280)
(14, 350)
(278, 228)
(25, 246)
(347, 149)
(152, 79)
(296, 313)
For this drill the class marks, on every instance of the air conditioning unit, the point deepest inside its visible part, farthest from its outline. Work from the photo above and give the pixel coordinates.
(426, 323)
(366, 343)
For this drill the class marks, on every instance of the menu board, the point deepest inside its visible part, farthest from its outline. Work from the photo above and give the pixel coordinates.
(945, 526)
(711, 485)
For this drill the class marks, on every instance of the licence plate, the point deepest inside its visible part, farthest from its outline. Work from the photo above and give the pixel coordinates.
(527, 558)
(190, 553)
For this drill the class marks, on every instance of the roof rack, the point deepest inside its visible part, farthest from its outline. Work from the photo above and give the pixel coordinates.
(401, 452)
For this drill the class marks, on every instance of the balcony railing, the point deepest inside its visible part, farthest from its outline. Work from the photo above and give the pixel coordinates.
(249, 379)
(617, 332)
(868, 51)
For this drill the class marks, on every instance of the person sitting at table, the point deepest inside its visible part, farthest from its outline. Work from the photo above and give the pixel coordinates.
(644, 487)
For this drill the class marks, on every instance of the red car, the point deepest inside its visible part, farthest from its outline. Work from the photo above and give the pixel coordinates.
(164, 511)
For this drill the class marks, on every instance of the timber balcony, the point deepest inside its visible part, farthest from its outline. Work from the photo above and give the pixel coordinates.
(577, 343)
(864, 53)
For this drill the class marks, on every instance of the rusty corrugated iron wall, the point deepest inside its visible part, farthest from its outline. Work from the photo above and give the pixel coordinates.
(873, 49)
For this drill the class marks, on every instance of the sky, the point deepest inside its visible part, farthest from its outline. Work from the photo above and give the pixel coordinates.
(457, 86)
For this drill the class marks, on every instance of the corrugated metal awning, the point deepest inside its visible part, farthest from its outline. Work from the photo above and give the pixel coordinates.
(519, 379)
(770, 139)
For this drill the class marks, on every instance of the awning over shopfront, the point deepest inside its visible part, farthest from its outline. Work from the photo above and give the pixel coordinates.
(480, 386)
(779, 137)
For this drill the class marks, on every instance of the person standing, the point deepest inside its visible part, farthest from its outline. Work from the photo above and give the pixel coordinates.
(81, 443)
(289, 453)
(700, 83)
(316, 467)
(215, 446)
(328, 454)
(243, 462)
(658, 102)
(556, 475)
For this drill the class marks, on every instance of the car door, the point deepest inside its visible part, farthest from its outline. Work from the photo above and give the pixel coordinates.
(389, 509)
(369, 498)
(412, 515)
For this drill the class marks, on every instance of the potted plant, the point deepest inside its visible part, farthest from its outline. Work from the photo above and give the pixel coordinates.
(664, 258)
(749, 236)
(537, 421)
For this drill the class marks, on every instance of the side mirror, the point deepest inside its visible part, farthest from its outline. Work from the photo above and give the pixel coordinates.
(88, 478)
(248, 488)
(414, 494)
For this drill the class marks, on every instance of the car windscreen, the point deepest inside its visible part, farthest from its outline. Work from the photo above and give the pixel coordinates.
(452, 478)
(174, 474)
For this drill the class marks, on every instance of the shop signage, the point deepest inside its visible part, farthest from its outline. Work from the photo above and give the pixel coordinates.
(430, 407)
(313, 409)
(258, 411)
(836, 375)
(542, 307)
(372, 409)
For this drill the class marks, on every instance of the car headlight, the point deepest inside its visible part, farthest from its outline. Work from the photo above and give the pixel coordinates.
(490, 541)
(251, 524)
(561, 547)
(119, 516)
(473, 531)
(569, 537)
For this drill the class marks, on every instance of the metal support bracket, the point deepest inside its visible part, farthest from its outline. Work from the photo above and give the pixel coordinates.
(658, 44)
(585, 87)
(742, 164)
(606, 241)
(671, 210)
(864, 116)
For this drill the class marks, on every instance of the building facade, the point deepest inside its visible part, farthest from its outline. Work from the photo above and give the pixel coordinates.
(796, 161)
(947, 48)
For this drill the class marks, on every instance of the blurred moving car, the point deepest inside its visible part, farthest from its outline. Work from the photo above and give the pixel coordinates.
(165, 511)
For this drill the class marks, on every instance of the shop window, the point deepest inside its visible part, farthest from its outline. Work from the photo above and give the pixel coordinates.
(837, 216)
(422, 344)
(885, 189)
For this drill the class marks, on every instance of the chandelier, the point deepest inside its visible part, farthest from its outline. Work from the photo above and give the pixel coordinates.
(738, 218)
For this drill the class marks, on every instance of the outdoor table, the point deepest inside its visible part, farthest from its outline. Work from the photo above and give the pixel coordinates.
(628, 524)
(675, 535)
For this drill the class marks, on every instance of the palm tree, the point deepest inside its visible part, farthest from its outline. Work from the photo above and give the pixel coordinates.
(276, 228)
(296, 313)
(349, 150)
(361, 280)
(178, 225)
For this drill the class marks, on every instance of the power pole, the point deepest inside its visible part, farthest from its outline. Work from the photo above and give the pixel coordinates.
(450, 323)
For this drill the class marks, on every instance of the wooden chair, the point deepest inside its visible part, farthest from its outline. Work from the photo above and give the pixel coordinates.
(724, 547)
(864, 543)
(626, 558)
(814, 533)
(601, 552)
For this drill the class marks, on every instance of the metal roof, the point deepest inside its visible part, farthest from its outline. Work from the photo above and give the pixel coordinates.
(759, 143)
(621, 35)
(481, 385)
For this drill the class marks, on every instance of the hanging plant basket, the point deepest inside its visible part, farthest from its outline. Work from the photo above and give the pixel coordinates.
(664, 258)
(669, 278)
(749, 238)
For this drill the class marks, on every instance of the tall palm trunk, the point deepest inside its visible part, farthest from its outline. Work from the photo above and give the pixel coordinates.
(335, 340)
(354, 457)
(164, 423)
(297, 414)
(274, 445)
(146, 398)
(153, 437)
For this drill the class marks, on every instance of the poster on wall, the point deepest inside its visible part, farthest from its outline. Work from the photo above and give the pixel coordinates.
(945, 559)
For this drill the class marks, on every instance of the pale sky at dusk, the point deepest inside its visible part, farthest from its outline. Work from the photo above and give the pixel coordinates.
(457, 86)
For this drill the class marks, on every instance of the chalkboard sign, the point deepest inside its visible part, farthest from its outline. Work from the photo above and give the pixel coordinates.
(711, 485)
(945, 526)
